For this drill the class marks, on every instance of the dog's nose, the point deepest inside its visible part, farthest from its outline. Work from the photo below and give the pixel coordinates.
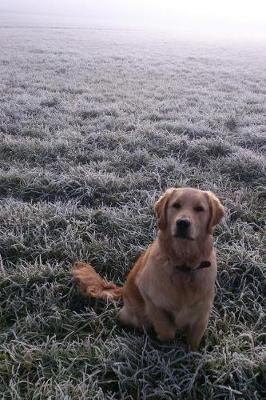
(183, 224)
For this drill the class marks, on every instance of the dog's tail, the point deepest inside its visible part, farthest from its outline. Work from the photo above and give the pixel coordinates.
(92, 285)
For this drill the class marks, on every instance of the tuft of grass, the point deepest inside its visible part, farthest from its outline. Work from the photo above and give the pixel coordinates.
(231, 123)
(245, 166)
(202, 151)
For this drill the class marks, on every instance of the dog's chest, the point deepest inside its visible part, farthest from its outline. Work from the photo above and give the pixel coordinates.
(180, 294)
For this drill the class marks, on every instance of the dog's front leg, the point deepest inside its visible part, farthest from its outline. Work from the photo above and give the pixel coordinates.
(195, 332)
(161, 321)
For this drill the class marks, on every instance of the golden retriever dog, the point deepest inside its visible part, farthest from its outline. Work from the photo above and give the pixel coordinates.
(172, 284)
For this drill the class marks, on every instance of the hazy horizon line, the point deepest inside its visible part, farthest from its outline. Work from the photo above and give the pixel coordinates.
(185, 31)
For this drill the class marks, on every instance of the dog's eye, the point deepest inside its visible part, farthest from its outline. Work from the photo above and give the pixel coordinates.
(199, 208)
(176, 205)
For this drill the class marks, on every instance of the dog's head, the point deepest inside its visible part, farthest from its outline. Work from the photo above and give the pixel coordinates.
(188, 214)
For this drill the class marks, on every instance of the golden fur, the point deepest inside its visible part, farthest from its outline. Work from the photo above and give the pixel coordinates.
(166, 288)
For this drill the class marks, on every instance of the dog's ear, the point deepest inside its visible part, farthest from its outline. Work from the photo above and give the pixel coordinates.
(161, 206)
(216, 211)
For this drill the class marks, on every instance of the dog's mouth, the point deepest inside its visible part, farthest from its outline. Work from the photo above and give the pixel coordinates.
(183, 236)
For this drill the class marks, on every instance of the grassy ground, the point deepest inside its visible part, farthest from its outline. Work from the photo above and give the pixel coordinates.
(93, 126)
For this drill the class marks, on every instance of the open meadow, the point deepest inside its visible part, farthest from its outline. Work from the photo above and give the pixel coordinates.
(94, 125)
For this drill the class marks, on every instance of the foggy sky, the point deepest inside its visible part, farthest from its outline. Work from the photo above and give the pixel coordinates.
(193, 17)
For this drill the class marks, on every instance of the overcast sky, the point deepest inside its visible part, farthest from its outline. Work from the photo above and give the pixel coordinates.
(245, 18)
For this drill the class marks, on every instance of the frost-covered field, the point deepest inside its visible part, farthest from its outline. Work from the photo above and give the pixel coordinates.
(94, 124)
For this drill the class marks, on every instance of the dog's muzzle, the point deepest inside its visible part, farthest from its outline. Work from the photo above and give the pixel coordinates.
(183, 228)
